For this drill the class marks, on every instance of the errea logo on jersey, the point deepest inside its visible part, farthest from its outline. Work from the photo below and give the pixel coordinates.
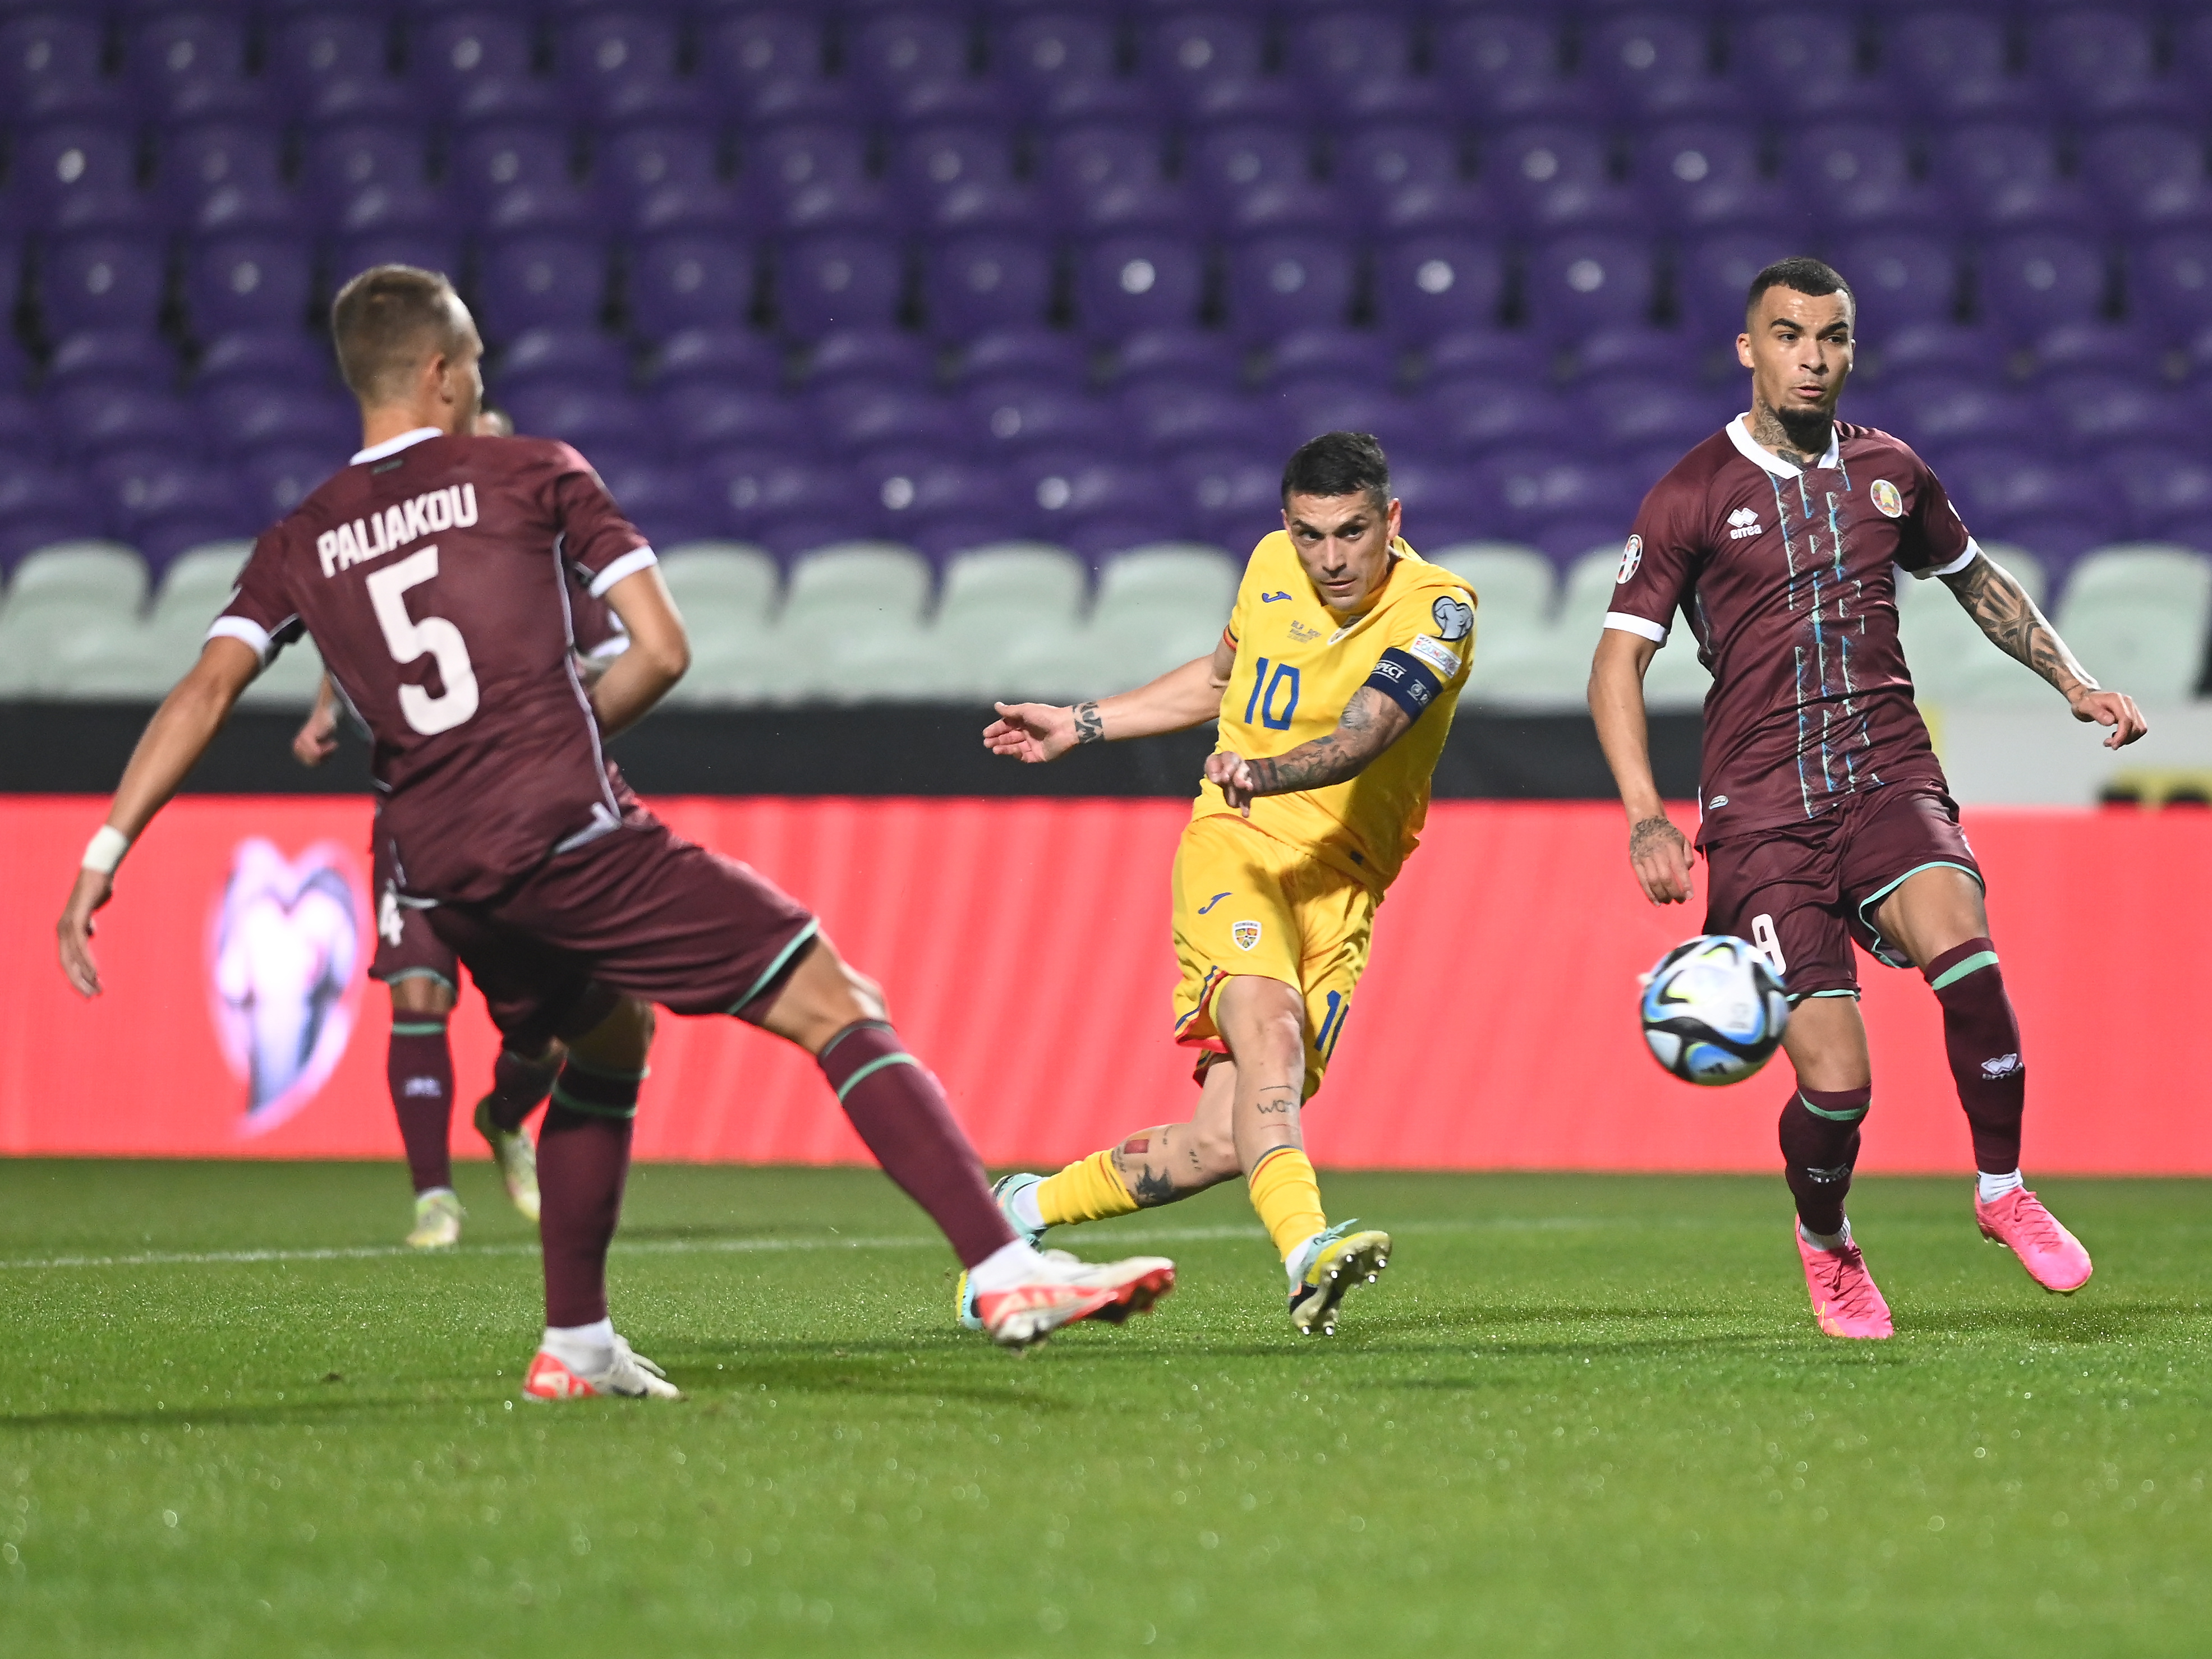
(380, 533)
(1743, 522)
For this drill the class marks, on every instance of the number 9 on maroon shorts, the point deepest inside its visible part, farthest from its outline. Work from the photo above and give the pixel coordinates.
(1803, 893)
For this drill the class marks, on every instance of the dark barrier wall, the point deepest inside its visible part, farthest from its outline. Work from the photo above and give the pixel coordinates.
(891, 749)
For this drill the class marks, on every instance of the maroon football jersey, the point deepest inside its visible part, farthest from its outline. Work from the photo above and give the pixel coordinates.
(1787, 578)
(433, 573)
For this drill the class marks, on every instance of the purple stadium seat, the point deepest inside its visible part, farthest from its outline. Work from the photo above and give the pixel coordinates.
(838, 280)
(1900, 277)
(940, 504)
(668, 177)
(244, 417)
(1279, 284)
(1233, 496)
(1233, 161)
(589, 417)
(223, 176)
(540, 280)
(1211, 66)
(1428, 285)
(371, 170)
(1509, 65)
(1539, 492)
(128, 359)
(854, 416)
(190, 66)
(622, 66)
(1399, 176)
(914, 64)
(336, 65)
(1358, 61)
(1809, 59)
(1954, 64)
(1857, 174)
(2103, 410)
(570, 356)
(1130, 283)
(2035, 280)
(668, 504)
(1169, 419)
(1109, 177)
(280, 356)
(42, 504)
(1578, 284)
(520, 176)
(1708, 175)
(2105, 347)
(23, 434)
(971, 284)
(1479, 416)
(77, 177)
(1654, 414)
(1713, 274)
(96, 420)
(2167, 489)
(480, 65)
(1487, 352)
(1356, 357)
(702, 418)
(428, 247)
(769, 65)
(248, 282)
(2096, 65)
(1943, 412)
(1307, 408)
(112, 281)
(2005, 175)
(2005, 492)
(723, 356)
(1655, 64)
(960, 177)
(788, 504)
(691, 279)
(51, 67)
(1058, 490)
(2149, 176)
(1064, 65)
(1556, 176)
(1639, 350)
(2170, 280)
(1196, 357)
(877, 355)
(1030, 352)
(815, 176)
(1961, 351)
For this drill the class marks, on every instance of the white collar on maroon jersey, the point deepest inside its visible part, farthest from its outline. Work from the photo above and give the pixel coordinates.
(1759, 455)
(393, 446)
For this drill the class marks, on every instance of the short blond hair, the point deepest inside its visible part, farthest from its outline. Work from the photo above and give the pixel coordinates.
(386, 322)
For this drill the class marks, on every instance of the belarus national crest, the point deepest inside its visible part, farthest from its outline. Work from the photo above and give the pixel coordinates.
(1631, 557)
(1246, 933)
(1887, 500)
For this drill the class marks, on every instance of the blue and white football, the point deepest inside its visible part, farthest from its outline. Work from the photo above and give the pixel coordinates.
(1713, 1011)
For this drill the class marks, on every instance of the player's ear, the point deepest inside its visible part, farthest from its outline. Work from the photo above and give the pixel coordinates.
(1743, 350)
(1394, 516)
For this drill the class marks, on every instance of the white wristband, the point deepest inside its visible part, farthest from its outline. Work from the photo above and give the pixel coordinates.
(106, 849)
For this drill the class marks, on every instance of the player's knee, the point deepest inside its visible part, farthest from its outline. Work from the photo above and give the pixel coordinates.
(419, 993)
(622, 1041)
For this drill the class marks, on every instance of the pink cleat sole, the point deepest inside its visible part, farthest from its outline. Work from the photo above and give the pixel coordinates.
(1845, 1300)
(2054, 1258)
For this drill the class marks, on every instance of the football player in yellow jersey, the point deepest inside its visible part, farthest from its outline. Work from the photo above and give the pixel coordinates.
(1334, 685)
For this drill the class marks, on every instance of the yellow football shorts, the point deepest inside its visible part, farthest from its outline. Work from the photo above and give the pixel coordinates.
(1247, 903)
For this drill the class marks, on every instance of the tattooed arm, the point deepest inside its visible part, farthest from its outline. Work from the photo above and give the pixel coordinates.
(2001, 609)
(1372, 723)
(1181, 698)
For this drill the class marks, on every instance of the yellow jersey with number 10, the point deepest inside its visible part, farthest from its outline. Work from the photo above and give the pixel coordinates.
(1297, 668)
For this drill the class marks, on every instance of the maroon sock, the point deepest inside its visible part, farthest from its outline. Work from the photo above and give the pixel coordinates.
(1982, 1038)
(1819, 1144)
(583, 1159)
(518, 1086)
(900, 1111)
(419, 1066)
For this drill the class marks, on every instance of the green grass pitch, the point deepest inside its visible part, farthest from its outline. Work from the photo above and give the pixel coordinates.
(1581, 1415)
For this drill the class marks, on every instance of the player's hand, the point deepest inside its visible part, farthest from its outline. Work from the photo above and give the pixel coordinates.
(1660, 854)
(317, 740)
(1231, 774)
(75, 929)
(1032, 733)
(2114, 708)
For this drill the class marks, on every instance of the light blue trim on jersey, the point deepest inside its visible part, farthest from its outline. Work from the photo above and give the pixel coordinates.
(782, 957)
(1881, 947)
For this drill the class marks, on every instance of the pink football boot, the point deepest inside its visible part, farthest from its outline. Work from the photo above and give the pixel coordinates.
(1844, 1297)
(2054, 1258)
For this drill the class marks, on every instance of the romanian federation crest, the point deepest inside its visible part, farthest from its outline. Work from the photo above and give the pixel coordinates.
(1246, 933)
(282, 955)
(1887, 500)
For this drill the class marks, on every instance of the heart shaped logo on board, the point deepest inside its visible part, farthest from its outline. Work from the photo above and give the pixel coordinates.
(282, 955)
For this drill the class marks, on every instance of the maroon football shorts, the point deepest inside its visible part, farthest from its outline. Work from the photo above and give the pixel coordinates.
(1803, 892)
(406, 945)
(640, 910)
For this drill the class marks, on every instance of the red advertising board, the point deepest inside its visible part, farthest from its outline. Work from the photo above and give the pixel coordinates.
(1024, 948)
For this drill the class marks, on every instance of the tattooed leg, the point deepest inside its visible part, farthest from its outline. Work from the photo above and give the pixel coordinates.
(1172, 1161)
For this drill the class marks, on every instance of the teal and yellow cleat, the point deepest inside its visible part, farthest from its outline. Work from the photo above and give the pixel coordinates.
(1003, 1189)
(1328, 1266)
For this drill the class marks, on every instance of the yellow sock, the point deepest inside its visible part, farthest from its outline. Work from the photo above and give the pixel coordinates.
(1287, 1195)
(1089, 1189)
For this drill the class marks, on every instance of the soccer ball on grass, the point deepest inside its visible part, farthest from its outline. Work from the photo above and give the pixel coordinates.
(1713, 1011)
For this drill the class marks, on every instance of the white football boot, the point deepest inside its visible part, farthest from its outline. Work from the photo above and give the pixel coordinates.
(1062, 1289)
(624, 1375)
(438, 1217)
(517, 1158)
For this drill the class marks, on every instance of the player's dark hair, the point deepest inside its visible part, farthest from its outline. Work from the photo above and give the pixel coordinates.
(1339, 463)
(384, 322)
(1799, 274)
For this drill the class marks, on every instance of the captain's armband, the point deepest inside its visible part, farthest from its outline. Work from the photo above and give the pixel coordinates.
(1407, 680)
